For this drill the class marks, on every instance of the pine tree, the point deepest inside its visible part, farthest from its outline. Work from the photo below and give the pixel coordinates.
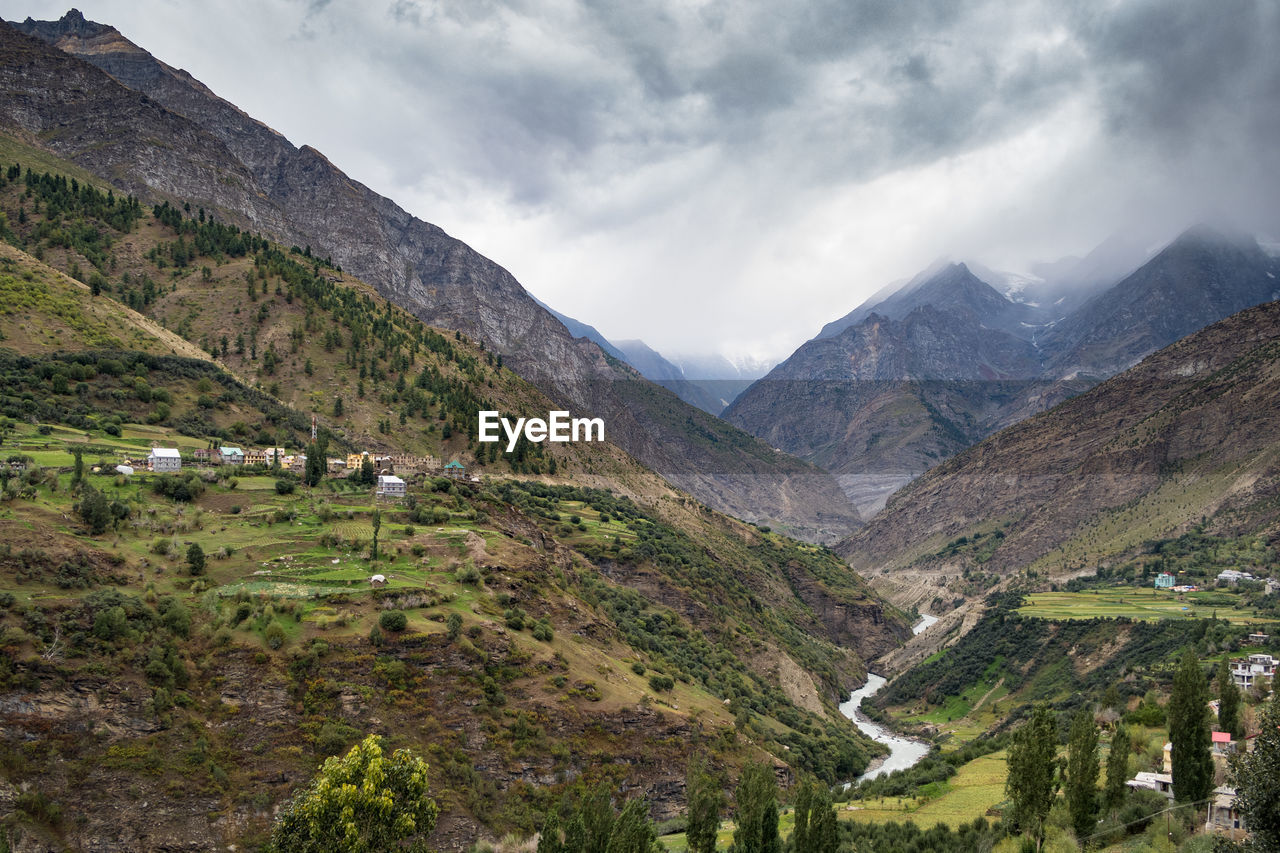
(1228, 701)
(706, 800)
(1030, 783)
(1117, 767)
(1082, 773)
(1189, 732)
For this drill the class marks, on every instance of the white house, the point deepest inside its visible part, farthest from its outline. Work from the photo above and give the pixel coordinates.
(1162, 782)
(390, 486)
(1245, 672)
(164, 459)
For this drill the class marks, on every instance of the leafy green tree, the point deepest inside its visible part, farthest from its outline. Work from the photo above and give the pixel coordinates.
(77, 473)
(1258, 784)
(551, 839)
(366, 472)
(94, 510)
(195, 559)
(1189, 731)
(756, 803)
(631, 831)
(706, 800)
(1082, 773)
(363, 802)
(377, 526)
(1117, 767)
(1228, 701)
(1030, 783)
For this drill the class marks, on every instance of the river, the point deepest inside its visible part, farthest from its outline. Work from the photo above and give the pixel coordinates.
(903, 751)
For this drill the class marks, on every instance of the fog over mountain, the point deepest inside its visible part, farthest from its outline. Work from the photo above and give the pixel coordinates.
(727, 179)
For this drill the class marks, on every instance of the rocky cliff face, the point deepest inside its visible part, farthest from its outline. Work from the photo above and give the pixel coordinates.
(897, 386)
(155, 131)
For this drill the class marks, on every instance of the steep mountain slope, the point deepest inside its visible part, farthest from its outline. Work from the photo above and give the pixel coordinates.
(1191, 433)
(891, 395)
(633, 622)
(158, 133)
(579, 329)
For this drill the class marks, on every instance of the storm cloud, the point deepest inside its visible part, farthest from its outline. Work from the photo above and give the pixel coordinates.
(728, 176)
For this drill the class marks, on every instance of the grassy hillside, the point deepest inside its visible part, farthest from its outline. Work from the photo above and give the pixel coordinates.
(567, 617)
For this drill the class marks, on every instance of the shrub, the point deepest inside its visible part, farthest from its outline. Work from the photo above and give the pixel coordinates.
(661, 683)
(274, 635)
(285, 486)
(393, 620)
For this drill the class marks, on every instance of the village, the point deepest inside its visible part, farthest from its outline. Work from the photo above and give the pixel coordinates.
(388, 467)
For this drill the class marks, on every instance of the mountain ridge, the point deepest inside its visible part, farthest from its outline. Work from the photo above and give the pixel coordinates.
(220, 155)
(876, 439)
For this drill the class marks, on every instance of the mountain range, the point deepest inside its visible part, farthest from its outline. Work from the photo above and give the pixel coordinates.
(924, 370)
(87, 94)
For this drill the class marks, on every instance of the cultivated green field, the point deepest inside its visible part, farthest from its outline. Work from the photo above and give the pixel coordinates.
(976, 787)
(1142, 604)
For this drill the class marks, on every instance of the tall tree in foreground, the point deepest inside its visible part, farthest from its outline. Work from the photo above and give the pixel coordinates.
(1257, 779)
(363, 802)
(1189, 731)
(1117, 767)
(800, 831)
(1082, 773)
(706, 800)
(1228, 701)
(756, 806)
(1030, 783)
(823, 836)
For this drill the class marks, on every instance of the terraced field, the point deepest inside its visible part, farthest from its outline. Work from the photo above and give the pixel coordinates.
(1141, 604)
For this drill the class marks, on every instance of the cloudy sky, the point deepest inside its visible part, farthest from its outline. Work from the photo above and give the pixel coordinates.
(732, 175)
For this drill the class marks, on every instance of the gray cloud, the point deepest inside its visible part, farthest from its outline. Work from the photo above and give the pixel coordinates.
(696, 174)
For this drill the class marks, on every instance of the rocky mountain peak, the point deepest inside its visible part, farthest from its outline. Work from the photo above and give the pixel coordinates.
(71, 25)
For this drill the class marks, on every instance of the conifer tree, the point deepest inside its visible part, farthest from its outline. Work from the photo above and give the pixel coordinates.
(800, 832)
(1228, 701)
(1189, 731)
(823, 836)
(756, 805)
(1082, 773)
(706, 800)
(1030, 783)
(1117, 767)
